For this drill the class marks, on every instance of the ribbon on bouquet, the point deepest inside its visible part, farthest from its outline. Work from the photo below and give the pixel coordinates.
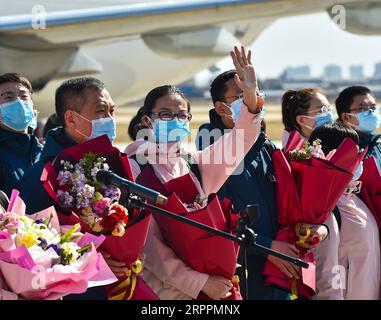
(301, 241)
(131, 280)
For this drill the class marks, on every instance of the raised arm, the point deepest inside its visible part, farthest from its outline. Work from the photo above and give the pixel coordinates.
(220, 160)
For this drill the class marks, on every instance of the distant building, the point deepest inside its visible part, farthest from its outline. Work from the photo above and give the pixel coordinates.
(296, 73)
(377, 71)
(332, 73)
(356, 72)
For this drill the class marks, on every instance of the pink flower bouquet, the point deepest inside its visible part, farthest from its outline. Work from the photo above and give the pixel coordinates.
(39, 261)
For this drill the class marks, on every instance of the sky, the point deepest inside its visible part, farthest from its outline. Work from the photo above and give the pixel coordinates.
(314, 40)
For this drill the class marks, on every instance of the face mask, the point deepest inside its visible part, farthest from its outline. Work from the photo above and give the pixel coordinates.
(33, 124)
(321, 119)
(170, 131)
(17, 115)
(100, 127)
(369, 121)
(358, 172)
(236, 109)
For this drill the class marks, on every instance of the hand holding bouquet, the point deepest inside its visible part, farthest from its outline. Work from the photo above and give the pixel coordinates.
(70, 182)
(309, 184)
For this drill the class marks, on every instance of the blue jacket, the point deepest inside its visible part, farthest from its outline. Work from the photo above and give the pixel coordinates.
(37, 199)
(18, 152)
(255, 185)
(32, 191)
(371, 141)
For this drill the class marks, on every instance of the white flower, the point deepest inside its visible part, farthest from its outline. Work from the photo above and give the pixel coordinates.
(71, 250)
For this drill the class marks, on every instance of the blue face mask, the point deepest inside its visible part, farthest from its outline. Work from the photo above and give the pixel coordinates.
(358, 172)
(18, 115)
(236, 107)
(321, 119)
(33, 124)
(101, 126)
(369, 121)
(170, 131)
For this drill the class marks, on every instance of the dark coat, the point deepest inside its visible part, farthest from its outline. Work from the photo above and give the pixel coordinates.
(18, 152)
(255, 185)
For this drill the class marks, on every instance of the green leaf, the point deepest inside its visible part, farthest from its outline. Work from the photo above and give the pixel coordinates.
(68, 235)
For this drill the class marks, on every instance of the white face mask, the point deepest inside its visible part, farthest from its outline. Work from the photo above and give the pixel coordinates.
(100, 127)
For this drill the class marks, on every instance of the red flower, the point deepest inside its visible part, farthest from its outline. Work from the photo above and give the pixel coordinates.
(117, 214)
(315, 240)
(120, 212)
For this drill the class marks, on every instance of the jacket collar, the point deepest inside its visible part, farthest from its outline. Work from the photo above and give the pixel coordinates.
(215, 120)
(56, 141)
(368, 140)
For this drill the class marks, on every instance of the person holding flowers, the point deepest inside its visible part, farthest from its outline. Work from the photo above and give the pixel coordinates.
(305, 110)
(159, 129)
(85, 110)
(254, 185)
(358, 269)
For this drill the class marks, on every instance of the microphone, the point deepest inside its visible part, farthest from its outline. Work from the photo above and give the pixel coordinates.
(110, 178)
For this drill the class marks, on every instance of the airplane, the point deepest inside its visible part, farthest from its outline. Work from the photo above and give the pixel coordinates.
(134, 46)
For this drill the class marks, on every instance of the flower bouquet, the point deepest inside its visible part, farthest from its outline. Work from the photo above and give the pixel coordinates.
(38, 261)
(202, 251)
(309, 184)
(70, 182)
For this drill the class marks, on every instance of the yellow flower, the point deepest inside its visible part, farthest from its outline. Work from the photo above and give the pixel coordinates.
(29, 239)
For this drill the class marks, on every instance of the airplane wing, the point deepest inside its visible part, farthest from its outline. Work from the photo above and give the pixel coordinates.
(92, 24)
(47, 42)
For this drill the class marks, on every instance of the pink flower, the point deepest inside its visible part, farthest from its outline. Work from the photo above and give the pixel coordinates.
(100, 207)
(10, 222)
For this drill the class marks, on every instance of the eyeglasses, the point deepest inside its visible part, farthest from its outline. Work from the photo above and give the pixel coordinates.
(11, 96)
(168, 116)
(323, 109)
(366, 108)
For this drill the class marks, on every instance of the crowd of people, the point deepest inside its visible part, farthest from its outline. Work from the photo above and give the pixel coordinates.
(233, 160)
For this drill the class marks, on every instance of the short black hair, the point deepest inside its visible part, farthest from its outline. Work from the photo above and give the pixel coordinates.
(345, 99)
(218, 86)
(332, 135)
(51, 123)
(17, 78)
(71, 91)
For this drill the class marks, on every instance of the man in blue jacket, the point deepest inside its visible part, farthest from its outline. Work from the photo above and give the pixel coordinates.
(19, 148)
(254, 185)
(85, 110)
(356, 106)
(80, 104)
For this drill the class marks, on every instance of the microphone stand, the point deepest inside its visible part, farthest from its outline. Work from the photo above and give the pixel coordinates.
(245, 237)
